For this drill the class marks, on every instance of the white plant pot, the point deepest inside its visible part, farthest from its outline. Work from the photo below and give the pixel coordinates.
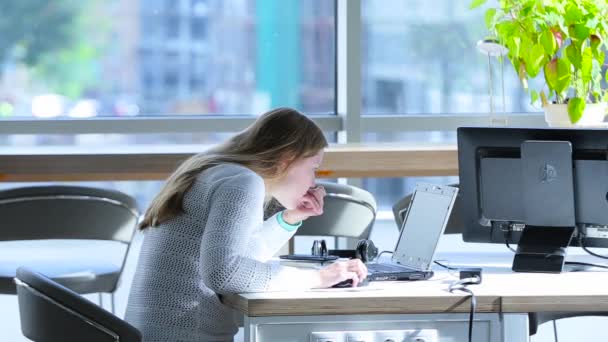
(556, 115)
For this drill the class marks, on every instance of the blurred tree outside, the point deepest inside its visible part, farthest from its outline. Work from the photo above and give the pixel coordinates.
(59, 42)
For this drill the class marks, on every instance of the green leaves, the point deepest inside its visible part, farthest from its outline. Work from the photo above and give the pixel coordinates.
(592, 23)
(558, 75)
(573, 14)
(553, 19)
(595, 43)
(506, 29)
(489, 17)
(580, 32)
(526, 47)
(586, 65)
(533, 96)
(566, 39)
(514, 45)
(536, 58)
(574, 56)
(576, 106)
(549, 43)
(476, 3)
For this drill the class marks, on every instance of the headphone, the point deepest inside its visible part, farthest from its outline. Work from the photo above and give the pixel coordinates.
(366, 250)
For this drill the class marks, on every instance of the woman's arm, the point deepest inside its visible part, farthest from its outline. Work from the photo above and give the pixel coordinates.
(227, 266)
(273, 234)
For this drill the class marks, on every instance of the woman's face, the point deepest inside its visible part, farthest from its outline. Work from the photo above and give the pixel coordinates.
(299, 177)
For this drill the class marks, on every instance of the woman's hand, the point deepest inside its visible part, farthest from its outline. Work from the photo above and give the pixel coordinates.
(311, 204)
(342, 270)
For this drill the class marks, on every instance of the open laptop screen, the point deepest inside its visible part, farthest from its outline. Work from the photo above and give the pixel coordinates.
(423, 225)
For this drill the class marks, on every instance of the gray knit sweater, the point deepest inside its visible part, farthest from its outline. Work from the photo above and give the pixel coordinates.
(219, 245)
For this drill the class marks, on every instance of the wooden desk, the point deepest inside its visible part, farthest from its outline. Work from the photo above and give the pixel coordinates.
(503, 301)
(156, 162)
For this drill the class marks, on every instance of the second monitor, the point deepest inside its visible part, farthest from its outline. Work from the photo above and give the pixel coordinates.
(544, 189)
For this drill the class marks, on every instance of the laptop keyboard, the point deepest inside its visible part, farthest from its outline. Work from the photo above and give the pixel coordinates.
(378, 268)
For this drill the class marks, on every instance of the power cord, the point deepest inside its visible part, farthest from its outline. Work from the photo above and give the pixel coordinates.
(507, 235)
(449, 268)
(509, 246)
(380, 254)
(581, 237)
(469, 276)
(575, 263)
(555, 331)
(578, 263)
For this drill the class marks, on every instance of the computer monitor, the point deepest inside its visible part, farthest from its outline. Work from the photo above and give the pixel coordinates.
(543, 189)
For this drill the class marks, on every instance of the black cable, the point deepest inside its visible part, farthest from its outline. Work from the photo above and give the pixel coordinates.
(507, 235)
(581, 237)
(461, 285)
(509, 246)
(379, 255)
(471, 312)
(578, 263)
(445, 266)
(555, 330)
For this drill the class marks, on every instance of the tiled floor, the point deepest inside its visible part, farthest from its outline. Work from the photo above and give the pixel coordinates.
(384, 235)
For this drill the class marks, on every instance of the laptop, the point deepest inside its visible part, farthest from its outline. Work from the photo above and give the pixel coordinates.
(424, 223)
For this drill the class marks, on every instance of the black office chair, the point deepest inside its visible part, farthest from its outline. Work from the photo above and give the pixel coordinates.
(66, 213)
(50, 312)
(455, 223)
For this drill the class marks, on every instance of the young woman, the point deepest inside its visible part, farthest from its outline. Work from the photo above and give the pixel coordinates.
(205, 235)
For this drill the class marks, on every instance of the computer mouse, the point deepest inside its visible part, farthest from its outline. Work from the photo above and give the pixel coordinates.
(349, 283)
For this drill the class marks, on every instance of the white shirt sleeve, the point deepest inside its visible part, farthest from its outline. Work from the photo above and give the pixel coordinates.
(269, 238)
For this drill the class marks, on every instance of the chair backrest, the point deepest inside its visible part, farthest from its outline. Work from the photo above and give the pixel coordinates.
(66, 212)
(50, 312)
(455, 223)
(535, 319)
(349, 211)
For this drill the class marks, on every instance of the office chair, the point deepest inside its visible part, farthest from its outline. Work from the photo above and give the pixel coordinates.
(66, 213)
(50, 312)
(455, 223)
(348, 212)
(537, 318)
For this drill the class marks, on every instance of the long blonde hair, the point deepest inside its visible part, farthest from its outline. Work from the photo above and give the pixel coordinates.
(268, 147)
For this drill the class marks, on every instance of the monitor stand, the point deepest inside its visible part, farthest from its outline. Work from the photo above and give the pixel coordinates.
(548, 201)
(542, 249)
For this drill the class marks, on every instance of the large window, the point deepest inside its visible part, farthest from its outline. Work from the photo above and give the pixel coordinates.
(389, 191)
(421, 57)
(81, 59)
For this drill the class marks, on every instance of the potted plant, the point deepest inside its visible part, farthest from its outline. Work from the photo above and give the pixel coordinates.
(566, 41)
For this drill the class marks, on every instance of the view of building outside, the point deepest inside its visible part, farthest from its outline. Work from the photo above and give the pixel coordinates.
(421, 57)
(239, 57)
(155, 57)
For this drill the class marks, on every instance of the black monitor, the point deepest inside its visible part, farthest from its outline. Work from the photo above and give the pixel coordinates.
(543, 189)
